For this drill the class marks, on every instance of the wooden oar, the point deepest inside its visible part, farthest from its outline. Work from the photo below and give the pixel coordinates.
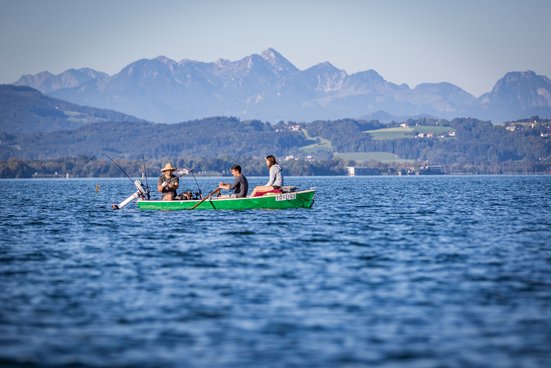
(204, 199)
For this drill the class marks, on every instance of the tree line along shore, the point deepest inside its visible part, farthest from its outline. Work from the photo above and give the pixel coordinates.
(211, 146)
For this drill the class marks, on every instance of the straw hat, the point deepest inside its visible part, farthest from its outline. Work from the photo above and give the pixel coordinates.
(168, 167)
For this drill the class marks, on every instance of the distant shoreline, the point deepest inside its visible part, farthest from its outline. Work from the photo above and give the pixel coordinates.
(60, 177)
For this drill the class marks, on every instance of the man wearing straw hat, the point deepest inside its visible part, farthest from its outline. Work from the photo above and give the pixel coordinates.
(168, 183)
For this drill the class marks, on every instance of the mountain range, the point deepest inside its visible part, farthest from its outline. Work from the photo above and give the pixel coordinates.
(267, 86)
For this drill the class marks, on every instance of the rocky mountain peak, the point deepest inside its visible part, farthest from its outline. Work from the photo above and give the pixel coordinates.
(527, 87)
(267, 86)
(278, 62)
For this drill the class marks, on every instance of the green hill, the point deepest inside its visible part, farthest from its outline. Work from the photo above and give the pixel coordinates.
(26, 110)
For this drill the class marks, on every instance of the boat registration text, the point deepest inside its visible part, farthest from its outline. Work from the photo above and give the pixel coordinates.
(286, 197)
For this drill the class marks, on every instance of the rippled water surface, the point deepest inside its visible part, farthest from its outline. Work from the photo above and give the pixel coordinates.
(382, 271)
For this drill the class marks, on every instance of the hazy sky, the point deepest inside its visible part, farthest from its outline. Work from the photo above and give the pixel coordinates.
(471, 43)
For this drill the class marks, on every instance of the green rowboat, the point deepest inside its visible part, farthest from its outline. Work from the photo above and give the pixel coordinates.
(300, 199)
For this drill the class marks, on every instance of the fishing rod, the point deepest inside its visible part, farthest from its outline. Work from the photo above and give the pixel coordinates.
(190, 171)
(140, 192)
(196, 183)
(145, 174)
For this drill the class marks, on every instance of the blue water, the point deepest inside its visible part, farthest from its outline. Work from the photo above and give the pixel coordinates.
(382, 271)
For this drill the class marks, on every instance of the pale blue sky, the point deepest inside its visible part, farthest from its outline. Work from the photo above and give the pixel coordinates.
(471, 43)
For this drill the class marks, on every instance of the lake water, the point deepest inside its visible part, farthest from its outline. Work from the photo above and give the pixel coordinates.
(382, 271)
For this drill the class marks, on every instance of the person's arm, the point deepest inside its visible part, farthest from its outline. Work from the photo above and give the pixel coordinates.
(224, 186)
(235, 183)
(161, 183)
(243, 187)
(174, 183)
(278, 177)
(272, 176)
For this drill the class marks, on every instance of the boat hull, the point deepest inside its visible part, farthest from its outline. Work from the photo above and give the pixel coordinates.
(301, 199)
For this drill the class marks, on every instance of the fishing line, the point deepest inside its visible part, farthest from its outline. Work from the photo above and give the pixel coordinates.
(116, 164)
